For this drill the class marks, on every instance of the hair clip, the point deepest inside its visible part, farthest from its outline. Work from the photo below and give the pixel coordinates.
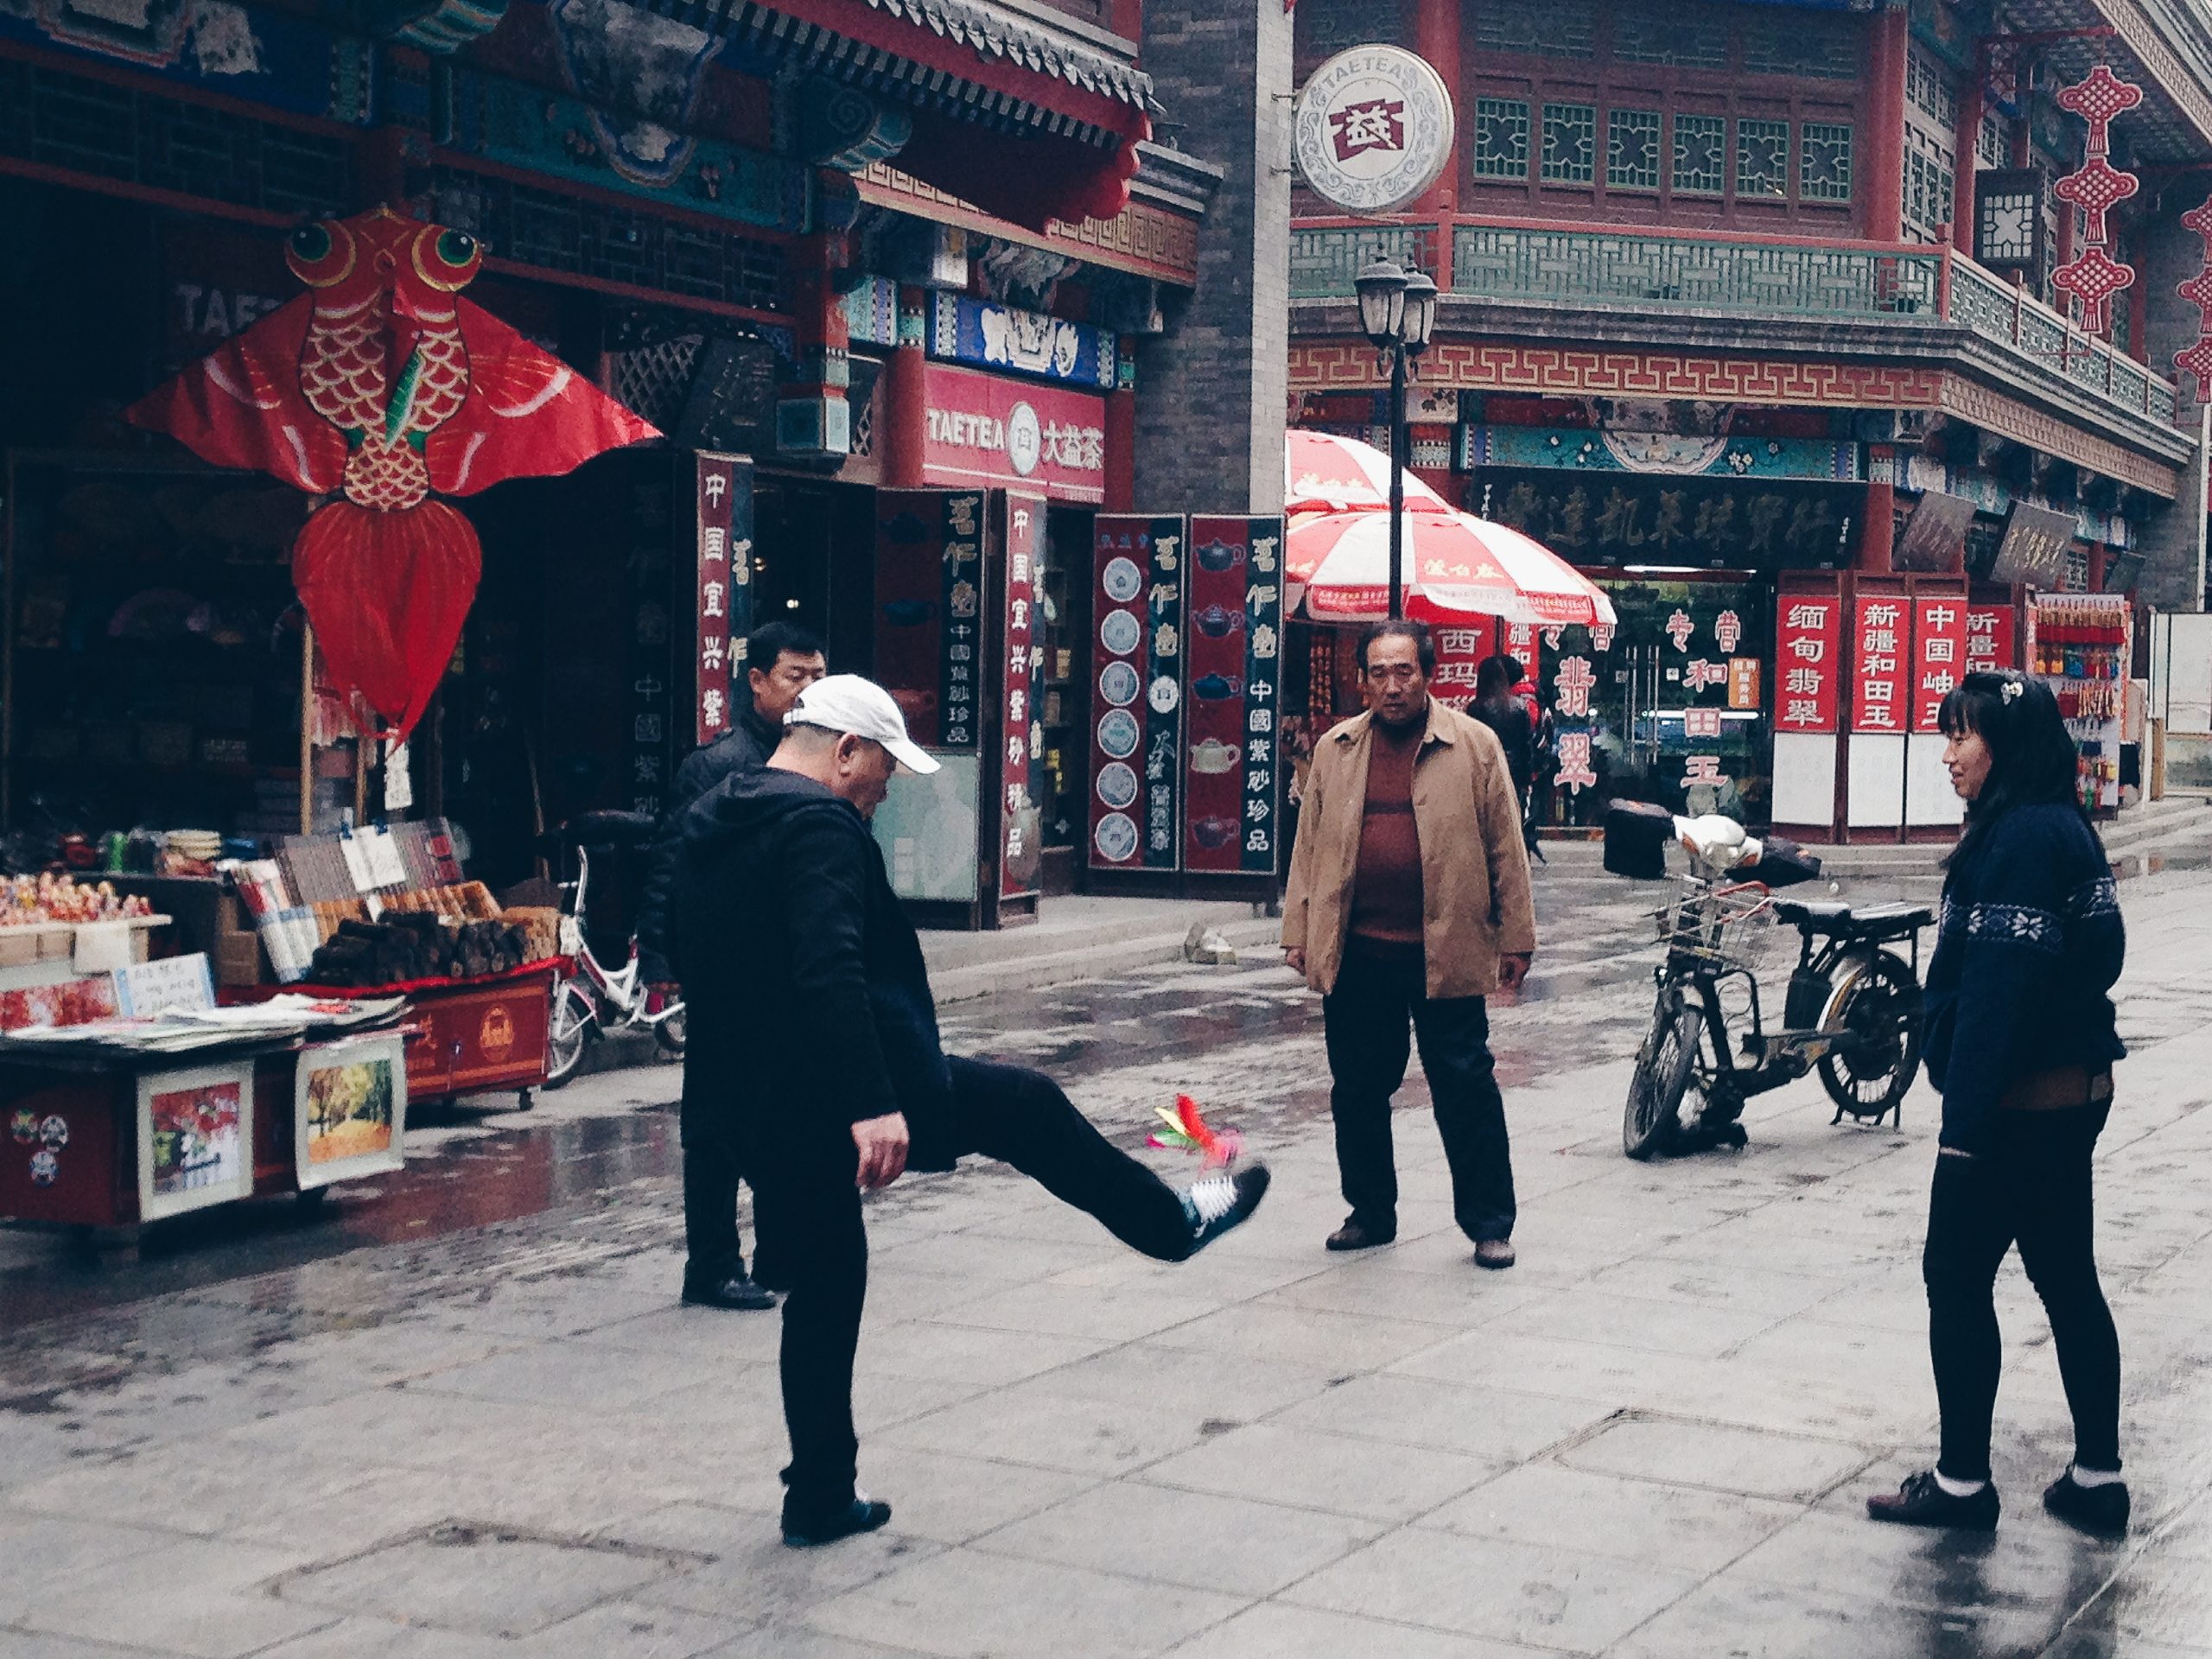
(2013, 689)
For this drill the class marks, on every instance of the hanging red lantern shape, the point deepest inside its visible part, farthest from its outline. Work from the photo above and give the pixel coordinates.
(2195, 361)
(2092, 276)
(380, 387)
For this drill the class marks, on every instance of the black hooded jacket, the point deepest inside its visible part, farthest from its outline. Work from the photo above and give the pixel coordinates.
(745, 748)
(810, 1003)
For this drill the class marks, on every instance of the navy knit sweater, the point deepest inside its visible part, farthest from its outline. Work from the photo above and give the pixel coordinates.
(2029, 944)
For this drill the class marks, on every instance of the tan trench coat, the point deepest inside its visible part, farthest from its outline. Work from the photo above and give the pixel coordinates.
(1474, 870)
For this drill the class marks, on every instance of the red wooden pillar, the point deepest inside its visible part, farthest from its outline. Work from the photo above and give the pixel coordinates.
(1885, 172)
(1965, 146)
(1876, 535)
(1436, 38)
(1122, 449)
(904, 400)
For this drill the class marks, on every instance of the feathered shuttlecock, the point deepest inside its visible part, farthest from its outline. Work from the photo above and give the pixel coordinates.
(1186, 1131)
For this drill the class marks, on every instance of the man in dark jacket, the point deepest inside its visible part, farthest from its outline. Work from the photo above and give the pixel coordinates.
(804, 975)
(785, 659)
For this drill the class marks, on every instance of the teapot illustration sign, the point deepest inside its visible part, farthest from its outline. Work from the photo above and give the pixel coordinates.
(1214, 756)
(1233, 679)
(1136, 789)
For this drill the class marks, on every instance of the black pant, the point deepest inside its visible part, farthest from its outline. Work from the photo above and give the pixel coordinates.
(1365, 1018)
(2031, 1188)
(809, 1215)
(712, 1250)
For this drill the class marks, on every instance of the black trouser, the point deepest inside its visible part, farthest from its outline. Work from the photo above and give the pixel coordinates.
(2032, 1188)
(1365, 1019)
(712, 1250)
(809, 1215)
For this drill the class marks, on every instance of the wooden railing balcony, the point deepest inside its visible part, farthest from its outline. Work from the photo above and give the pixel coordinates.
(1651, 268)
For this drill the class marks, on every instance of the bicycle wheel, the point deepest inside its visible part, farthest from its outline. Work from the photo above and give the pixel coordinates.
(671, 1030)
(1873, 1063)
(1662, 1075)
(567, 1031)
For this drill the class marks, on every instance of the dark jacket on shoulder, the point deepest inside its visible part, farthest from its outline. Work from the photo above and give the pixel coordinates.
(2027, 951)
(809, 1000)
(745, 748)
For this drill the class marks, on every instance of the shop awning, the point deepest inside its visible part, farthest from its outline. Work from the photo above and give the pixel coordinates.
(1026, 123)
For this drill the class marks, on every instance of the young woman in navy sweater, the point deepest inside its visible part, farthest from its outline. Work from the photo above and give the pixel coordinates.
(2020, 1040)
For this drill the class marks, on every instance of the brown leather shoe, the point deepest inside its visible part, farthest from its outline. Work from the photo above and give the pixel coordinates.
(1356, 1235)
(1494, 1253)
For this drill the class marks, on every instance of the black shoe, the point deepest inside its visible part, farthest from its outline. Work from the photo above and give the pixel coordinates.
(737, 1292)
(1357, 1235)
(858, 1517)
(1218, 1202)
(1921, 1503)
(2101, 1510)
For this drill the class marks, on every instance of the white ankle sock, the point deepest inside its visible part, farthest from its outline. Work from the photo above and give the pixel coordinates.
(2090, 1478)
(1959, 1488)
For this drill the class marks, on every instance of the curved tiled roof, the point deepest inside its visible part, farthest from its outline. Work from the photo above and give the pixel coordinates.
(996, 34)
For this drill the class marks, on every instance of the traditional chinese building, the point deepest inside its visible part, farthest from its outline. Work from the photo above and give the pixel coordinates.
(910, 290)
(1796, 326)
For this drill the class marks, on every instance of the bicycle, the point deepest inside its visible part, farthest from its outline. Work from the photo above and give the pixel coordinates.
(594, 1000)
(1852, 1009)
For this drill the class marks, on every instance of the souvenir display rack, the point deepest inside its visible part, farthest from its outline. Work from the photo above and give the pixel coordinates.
(2081, 644)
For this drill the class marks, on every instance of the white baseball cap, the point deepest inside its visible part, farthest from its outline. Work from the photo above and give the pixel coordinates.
(859, 708)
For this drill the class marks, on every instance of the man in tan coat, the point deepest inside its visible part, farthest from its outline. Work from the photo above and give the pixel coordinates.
(1409, 905)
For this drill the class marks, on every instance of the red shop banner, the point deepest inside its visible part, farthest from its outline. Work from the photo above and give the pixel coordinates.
(1232, 676)
(1518, 641)
(716, 586)
(1021, 780)
(1939, 654)
(1460, 647)
(981, 430)
(1808, 652)
(1990, 641)
(1881, 648)
(1135, 741)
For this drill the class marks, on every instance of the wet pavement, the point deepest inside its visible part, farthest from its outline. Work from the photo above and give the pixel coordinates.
(460, 1415)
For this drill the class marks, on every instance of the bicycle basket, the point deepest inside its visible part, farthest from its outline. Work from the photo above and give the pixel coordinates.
(1718, 927)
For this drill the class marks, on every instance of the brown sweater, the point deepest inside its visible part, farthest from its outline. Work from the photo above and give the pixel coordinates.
(1386, 897)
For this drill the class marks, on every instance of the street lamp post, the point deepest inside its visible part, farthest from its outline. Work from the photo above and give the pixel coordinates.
(1397, 310)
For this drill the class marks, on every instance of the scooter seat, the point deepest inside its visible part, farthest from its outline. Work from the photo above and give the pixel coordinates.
(1832, 919)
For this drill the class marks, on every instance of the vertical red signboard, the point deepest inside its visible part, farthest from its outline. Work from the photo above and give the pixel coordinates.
(1021, 779)
(1461, 644)
(1990, 640)
(1232, 676)
(1808, 649)
(1881, 649)
(1518, 641)
(1135, 739)
(929, 612)
(724, 587)
(1939, 654)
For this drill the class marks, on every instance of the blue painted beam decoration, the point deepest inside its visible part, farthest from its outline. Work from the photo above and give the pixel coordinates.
(1002, 337)
(1616, 451)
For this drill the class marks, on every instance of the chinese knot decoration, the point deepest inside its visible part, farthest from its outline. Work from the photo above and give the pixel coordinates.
(2092, 276)
(381, 387)
(2196, 360)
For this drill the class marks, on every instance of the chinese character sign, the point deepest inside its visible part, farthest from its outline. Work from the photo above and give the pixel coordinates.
(930, 636)
(1990, 638)
(1518, 641)
(1939, 655)
(1881, 643)
(1808, 640)
(1460, 647)
(1021, 779)
(1232, 675)
(724, 561)
(1136, 750)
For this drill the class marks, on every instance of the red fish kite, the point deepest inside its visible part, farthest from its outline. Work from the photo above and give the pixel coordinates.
(384, 386)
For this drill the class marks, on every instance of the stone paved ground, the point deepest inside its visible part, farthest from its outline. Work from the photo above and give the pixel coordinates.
(1649, 1439)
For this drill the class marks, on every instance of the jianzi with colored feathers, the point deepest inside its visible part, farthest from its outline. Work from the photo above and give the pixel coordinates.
(1186, 1131)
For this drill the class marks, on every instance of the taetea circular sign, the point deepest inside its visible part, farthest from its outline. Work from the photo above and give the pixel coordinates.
(1024, 441)
(1373, 129)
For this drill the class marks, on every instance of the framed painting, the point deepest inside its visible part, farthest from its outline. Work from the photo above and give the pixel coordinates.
(350, 1109)
(195, 1138)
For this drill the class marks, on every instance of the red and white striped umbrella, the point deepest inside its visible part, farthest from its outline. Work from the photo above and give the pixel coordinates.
(1455, 565)
(1325, 473)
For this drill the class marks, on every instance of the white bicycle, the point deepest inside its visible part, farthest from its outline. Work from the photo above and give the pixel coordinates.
(592, 1000)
